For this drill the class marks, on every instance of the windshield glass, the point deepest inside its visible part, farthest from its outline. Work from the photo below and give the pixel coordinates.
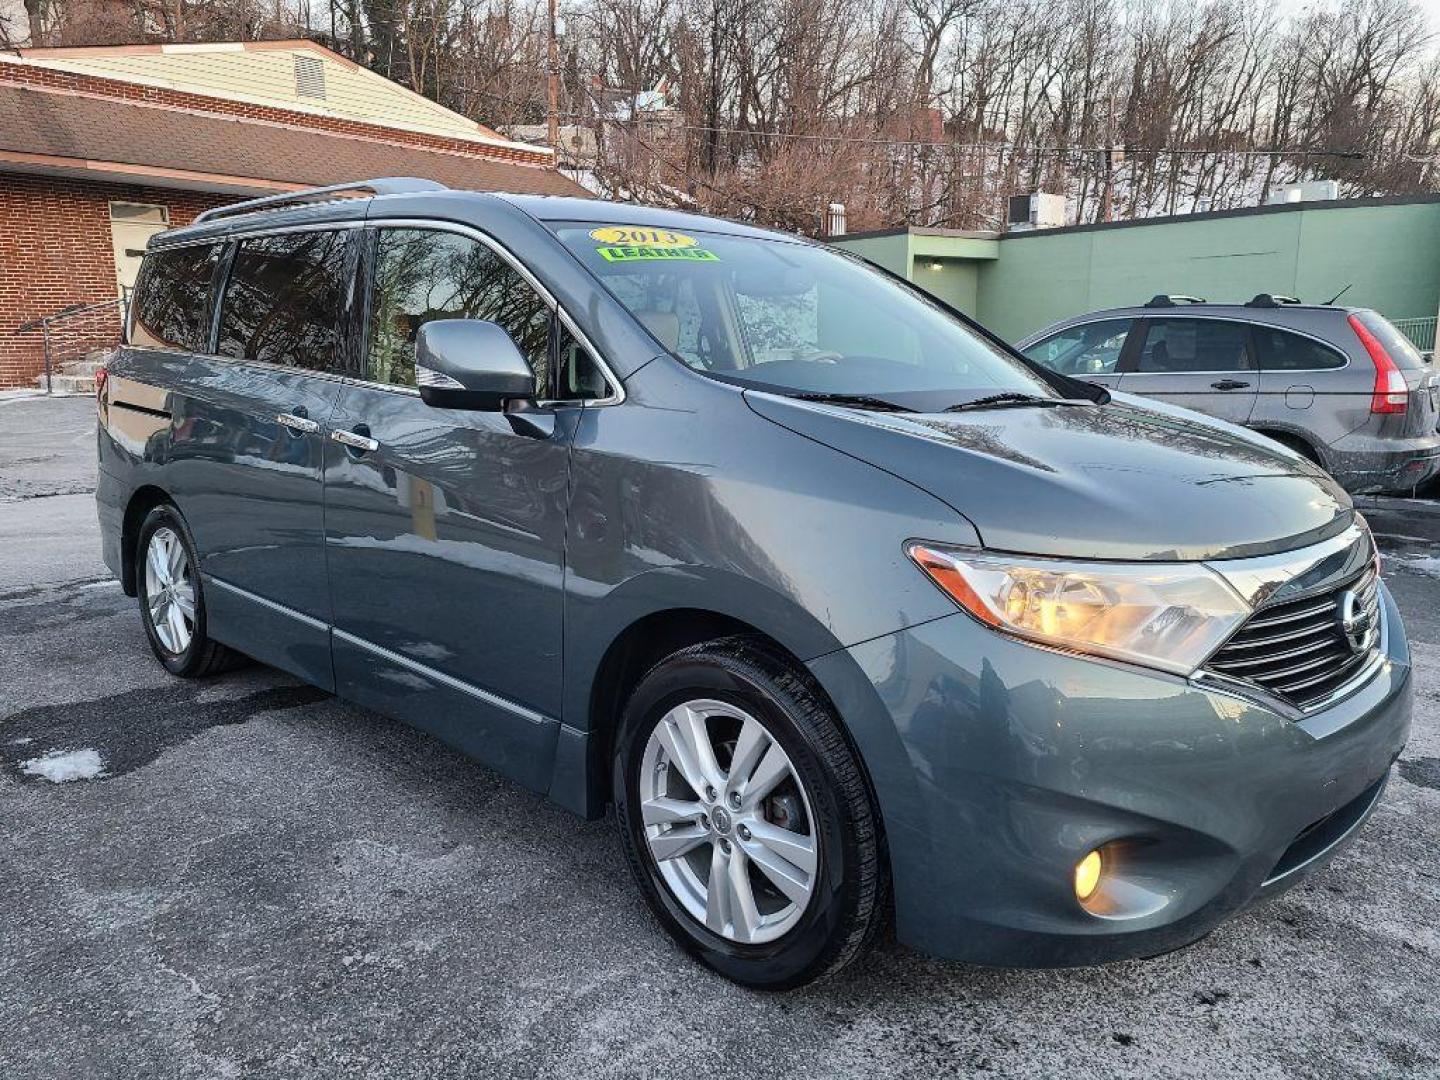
(794, 318)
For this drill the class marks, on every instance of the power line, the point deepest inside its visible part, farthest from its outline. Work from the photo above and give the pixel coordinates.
(1010, 147)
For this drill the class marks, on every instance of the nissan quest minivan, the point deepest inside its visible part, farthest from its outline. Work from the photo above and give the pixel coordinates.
(851, 611)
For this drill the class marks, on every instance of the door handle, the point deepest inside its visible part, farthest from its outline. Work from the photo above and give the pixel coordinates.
(1229, 384)
(355, 440)
(297, 423)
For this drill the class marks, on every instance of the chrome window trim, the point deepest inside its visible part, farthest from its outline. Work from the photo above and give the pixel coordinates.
(615, 398)
(519, 267)
(1251, 321)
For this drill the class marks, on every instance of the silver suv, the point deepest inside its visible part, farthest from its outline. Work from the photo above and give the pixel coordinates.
(1339, 385)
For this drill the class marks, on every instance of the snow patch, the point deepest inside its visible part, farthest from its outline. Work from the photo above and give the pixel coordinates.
(62, 766)
(1429, 565)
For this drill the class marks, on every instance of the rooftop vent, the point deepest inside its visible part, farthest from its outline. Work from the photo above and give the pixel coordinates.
(309, 78)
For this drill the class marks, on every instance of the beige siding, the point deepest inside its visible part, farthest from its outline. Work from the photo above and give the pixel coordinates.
(268, 76)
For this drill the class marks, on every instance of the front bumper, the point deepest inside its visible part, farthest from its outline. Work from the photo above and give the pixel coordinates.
(998, 765)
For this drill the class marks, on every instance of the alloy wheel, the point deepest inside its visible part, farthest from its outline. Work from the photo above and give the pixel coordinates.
(170, 590)
(728, 821)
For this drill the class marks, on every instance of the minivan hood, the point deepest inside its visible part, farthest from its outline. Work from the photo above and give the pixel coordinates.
(1123, 480)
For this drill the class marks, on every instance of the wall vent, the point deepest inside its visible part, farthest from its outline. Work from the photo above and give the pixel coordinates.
(309, 78)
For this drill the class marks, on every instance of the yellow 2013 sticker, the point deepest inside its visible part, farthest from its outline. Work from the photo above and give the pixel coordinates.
(638, 236)
(637, 252)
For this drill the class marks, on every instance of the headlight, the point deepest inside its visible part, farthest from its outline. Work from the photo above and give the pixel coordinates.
(1166, 615)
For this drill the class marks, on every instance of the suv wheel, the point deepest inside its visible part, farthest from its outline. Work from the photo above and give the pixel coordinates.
(746, 818)
(172, 602)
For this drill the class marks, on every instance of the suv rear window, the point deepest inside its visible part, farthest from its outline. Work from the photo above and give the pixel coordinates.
(283, 300)
(1280, 350)
(172, 297)
(1401, 349)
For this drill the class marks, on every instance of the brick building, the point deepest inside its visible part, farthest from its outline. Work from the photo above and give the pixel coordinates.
(102, 147)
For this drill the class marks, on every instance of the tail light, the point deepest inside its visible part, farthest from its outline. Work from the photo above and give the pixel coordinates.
(102, 376)
(1391, 393)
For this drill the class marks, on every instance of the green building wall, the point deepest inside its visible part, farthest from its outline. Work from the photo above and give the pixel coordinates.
(1388, 251)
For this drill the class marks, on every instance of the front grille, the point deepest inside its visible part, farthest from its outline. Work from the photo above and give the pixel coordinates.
(1298, 649)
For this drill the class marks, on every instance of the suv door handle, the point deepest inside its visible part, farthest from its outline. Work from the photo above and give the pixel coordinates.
(297, 423)
(356, 440)
(1229, 384)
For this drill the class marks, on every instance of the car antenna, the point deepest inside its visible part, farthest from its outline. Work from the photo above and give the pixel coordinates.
(1339, 294)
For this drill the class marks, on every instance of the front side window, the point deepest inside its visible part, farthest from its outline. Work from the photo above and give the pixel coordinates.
(425, 274)
(283, 300)
(172, 298)
(793, 317)
(1280, 350)
(1091, 349)
(1178, 346)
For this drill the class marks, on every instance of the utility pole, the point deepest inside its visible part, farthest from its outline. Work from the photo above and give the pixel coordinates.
(553, 105)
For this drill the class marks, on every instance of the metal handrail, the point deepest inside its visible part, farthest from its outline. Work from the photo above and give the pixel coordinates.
(50, 325)
(387, 185)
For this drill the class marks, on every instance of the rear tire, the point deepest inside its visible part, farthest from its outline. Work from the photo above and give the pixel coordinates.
(788, 820)
(172, 598)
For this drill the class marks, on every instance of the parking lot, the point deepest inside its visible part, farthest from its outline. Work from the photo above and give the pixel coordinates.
(256, 880)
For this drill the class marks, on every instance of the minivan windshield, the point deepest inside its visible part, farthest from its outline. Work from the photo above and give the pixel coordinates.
(797, 319)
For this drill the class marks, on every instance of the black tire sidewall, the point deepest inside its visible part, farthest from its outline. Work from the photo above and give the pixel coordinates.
(189, 661)
(805, 951)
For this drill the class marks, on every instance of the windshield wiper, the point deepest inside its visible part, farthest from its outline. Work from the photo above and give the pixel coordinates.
(1009, 400)
(855, 401)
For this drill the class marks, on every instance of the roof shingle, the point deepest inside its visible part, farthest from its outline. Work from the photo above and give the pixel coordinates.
(58, 124)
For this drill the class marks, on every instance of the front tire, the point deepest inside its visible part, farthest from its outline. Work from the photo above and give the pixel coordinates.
(746, 817)
(172, 599)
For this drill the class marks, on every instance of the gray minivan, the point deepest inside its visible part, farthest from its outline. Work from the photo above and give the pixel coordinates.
(850, 611)
(1340, 385)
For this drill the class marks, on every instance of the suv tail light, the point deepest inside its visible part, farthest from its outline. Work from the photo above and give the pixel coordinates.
(1391, 393)
(102, 376)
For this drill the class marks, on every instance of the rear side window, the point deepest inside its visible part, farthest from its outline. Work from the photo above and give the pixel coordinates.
(172, 298)
(1091, 349)
(425, 274)
(283, 300)
(1183, 345)
(1401, 349)
(1280, 350)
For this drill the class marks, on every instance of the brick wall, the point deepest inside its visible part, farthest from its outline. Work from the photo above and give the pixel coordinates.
(55, 250)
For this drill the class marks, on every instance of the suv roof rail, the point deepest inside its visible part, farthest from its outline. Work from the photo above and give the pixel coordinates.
(1266, 299)
(1173, 300)
(388, 185)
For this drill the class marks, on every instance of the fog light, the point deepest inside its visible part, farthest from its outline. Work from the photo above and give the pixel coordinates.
(1087, 875)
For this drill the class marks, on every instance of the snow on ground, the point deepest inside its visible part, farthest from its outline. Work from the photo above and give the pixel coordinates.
(1429, 565)
(62, 766)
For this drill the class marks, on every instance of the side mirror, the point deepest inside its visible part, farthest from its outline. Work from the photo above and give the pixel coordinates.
(470, 364)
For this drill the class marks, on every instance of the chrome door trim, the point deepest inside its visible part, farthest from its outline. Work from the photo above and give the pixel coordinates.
(355, 440)
(281, 609)
(298, 423)
(440, 677)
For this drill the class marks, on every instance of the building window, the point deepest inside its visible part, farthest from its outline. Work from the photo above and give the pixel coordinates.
(309, 78)
(139, 213)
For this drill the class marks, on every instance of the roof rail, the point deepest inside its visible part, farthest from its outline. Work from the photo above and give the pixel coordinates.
(1271, 300)
(389, 185)
(1173, 300)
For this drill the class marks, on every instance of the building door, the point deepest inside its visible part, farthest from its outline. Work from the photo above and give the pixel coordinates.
(131, 226)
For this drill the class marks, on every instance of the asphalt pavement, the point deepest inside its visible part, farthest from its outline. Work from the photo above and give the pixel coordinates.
(249, 878)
